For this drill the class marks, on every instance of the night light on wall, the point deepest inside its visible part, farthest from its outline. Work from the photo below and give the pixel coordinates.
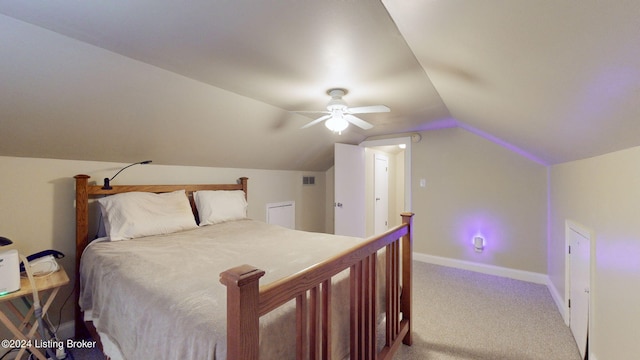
(478, 243)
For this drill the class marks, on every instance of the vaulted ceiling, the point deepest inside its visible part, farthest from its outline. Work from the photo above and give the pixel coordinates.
(214, 82)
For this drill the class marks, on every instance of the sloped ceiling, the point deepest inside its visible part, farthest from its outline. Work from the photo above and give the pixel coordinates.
(558, 79)
(213, 83)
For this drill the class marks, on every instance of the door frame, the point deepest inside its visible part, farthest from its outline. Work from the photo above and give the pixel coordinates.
(588, 234)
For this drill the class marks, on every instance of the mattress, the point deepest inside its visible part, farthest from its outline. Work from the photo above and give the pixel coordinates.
(159, 296)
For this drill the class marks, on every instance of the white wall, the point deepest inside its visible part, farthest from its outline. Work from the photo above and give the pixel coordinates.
(603, 194)
(475, 186)
(37, 199)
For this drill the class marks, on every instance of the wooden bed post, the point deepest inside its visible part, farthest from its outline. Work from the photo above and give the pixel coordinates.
(243, 182)
(82, 237)
(243, 324)
(407, 282)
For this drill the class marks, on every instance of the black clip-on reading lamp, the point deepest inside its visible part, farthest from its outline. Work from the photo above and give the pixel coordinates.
(4, 241)
(107, 185)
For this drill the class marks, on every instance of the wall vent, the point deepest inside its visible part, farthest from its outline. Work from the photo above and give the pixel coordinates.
(308, 180)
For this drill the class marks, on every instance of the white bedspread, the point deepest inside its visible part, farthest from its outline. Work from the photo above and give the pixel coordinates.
(159, 297)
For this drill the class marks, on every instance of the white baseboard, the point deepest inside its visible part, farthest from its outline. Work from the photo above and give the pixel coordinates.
(559, 301)
(484, 268)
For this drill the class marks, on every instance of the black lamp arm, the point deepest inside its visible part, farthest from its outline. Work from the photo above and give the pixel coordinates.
(107, 186)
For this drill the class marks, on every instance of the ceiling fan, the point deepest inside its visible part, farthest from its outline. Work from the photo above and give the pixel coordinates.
(339, 115)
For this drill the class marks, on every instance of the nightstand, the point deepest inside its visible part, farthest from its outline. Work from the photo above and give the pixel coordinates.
(26, 326)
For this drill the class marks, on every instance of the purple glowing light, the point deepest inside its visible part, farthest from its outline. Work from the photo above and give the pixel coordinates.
(620, 254)
(502, 143)
(453, 123)
(480, 224)
(438, 125)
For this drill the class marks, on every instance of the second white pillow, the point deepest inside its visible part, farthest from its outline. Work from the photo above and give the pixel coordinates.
(216, 206)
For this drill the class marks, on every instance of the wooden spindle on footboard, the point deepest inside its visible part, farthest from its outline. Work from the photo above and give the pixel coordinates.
(392, 297)
(313, 323)
(363, 312)
(312, 288)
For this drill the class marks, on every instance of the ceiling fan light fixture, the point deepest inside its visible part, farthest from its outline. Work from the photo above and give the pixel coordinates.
(336, 123)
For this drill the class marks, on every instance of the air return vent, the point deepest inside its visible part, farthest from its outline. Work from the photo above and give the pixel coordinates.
(308, 180)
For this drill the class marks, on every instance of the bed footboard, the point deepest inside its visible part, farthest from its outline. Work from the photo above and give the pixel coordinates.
(311, 288)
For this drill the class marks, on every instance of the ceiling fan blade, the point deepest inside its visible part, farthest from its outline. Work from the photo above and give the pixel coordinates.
(311, 112)
(368, 109)
(316, 121)
(358, 122)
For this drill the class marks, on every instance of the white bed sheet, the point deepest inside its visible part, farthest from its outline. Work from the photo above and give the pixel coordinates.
(159, 297)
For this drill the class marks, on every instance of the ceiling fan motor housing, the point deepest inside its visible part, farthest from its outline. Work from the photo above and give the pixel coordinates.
(336, 102)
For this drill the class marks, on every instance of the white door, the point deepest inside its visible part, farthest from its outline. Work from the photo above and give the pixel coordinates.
(579, 257)
(381, 194)
(349, 200)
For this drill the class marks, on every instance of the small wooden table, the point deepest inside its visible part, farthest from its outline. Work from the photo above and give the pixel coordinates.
(24, 332)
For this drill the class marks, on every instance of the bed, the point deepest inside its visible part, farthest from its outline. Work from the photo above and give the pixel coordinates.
(281, 293)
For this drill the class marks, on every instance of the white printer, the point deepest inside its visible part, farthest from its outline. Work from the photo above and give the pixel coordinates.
(9, 267)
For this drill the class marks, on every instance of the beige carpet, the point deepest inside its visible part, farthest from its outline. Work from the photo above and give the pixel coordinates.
(461, 314)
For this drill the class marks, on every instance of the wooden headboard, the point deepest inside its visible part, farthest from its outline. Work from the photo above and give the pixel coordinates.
(84, 192)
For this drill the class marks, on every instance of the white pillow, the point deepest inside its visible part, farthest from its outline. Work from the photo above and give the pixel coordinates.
(137, 214)
(216, 206)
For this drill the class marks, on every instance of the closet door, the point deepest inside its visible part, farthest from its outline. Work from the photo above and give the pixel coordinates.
(579, 267)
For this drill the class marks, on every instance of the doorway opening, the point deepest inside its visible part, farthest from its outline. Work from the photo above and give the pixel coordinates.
(354, 196)
(387, 197)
